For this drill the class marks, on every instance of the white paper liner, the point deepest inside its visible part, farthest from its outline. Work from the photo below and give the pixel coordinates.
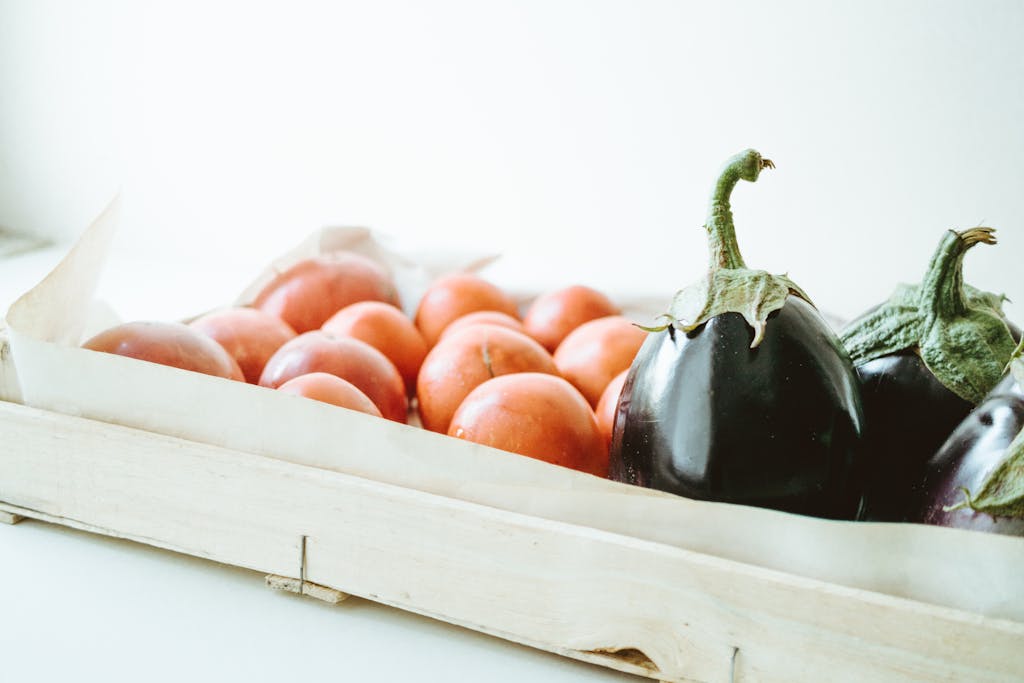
(968, 570)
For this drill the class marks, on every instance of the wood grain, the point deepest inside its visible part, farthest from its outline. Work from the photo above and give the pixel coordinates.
(634, 605)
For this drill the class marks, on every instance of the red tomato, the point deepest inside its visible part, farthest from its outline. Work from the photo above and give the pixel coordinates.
(171, 344)
(313, 290)
(467, 359)
(320, 386)
(386, 329)
(608, 404)
(452, 297)
(537, 415)
(249, 335)
(478, 317)
(350, 359)
(554, 315)
(596, 351)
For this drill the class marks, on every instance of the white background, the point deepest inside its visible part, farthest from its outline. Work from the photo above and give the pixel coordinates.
(578, 138)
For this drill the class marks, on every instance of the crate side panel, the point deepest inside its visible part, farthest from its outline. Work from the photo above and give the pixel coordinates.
(558, 586)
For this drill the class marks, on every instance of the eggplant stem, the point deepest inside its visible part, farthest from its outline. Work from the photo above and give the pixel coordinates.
(725, 251)
(942, 292)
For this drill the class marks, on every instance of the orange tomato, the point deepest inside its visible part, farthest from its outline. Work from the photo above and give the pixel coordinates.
(386, 329)
(477, 317)
(350, 359)
(608, 404)
(321, 386)
(249, 335)
(536, 415)
(314, 289)
(596, 351)
(554, 315)
(467, 359)
(453, 296)
(171, 344)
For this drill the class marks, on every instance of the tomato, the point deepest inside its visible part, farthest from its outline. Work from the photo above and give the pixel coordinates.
(477, 317)
(554, 315)
(249, 335)
(453, 296)
(536, 415)
(608, 404)
(468, 358)
(314, 289)
(321, 386)
(596, 351)
(350, 359)
(171, 344)
(386, 329)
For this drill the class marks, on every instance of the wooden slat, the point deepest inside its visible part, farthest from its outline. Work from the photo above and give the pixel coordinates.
(307, 588)
(669, 613)
(9, 517)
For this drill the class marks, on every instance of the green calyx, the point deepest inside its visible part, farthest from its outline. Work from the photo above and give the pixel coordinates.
(1016, 365)
(1002, 492)
(729, 286)
(960, 332)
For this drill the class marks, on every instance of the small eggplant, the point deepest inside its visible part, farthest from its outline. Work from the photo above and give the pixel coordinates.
(925, 358)
(976, 480)
(745, 394)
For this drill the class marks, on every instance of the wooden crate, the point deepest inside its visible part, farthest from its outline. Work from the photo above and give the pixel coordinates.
(633, 605)
(574, 566)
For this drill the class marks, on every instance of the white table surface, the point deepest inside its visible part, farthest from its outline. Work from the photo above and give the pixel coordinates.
(83, 607)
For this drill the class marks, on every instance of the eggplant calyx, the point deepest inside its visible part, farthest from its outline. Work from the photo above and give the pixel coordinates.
(960, 332)
(729, 286)
(657, 328)
(1002, 492)
(754, 294)
(1016, 364)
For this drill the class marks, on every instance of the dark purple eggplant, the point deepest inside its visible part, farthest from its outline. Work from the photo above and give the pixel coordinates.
(745, 394)
(978, 473)
(925, 359)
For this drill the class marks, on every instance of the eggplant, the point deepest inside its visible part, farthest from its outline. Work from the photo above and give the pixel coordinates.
(976, 479)
(925, 358)
(744, 395)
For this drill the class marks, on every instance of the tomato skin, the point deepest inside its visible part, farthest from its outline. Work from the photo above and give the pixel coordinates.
(596, 351)
(311, 291)
(326, 388)
(482, 317)
(537, 415)
(453, 296)
(386, 329)
(606, 407)
(468, 358)
(552, 316)
(173, 344)
(249, 335)
(350, 359)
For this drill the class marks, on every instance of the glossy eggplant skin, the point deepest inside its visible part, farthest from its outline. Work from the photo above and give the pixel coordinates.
(705, 416)
(973, 450)
(909, 414)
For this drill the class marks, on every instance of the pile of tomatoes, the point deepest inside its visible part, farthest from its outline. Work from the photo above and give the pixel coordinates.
(543, 384)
